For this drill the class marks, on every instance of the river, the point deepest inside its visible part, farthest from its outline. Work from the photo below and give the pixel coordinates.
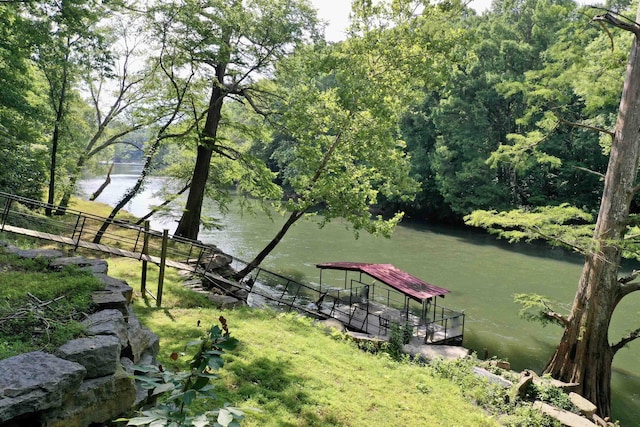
(482, 274)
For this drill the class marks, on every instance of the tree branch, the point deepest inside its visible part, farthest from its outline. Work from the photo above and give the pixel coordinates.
(601, 175)
(625, 340)
(613, 19)
(556, 317)
(588, 127)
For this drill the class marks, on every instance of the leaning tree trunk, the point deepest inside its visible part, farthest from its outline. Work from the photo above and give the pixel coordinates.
(293, 217)
(189, 224)
(585, 354)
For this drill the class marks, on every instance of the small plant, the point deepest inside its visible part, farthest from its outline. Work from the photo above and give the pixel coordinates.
(184, 387)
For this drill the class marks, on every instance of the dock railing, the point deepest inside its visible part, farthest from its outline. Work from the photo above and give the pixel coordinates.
(79, 229)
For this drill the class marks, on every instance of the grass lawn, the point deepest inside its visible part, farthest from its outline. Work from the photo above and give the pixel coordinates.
(298, 374)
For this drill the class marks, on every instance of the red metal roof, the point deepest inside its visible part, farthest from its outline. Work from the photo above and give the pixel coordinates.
(391, 276)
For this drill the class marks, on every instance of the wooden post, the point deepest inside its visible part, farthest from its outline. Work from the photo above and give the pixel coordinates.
(163, 259)
(145, 251)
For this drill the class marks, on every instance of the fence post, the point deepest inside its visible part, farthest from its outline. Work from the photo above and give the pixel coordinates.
(5, 213)
(163, 260)
(145, 251)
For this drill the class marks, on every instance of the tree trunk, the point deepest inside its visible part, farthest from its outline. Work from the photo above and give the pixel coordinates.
(584, 354)
(73, 180)
(189, 224)
(293, 217)
(55, 139)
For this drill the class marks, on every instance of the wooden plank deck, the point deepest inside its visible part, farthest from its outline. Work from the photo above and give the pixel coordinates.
(96, 247)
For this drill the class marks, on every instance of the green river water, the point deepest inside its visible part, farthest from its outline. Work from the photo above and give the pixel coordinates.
(482, 274)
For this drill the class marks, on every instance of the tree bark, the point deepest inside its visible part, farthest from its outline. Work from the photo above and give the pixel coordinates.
(293, 217)
(584, 354)
(55, 139)
(189, 224)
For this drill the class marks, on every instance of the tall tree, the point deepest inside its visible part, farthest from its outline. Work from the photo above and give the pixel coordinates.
(22, 109)
(233, 44)
(117, 97)
(585, 352)
(66, 38)
(340, 149)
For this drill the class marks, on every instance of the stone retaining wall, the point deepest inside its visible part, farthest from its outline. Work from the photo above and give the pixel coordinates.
(88, 380)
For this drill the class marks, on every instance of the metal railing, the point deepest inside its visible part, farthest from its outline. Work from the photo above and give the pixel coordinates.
(138, 241)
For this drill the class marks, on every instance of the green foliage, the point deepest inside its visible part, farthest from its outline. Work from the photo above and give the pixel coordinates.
(182, 388)
(41, 309)
(562, 225)
(536, 308)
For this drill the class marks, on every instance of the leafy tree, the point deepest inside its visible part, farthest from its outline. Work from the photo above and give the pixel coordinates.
(232, 45)
(22, 109)
(119, 98)
(65, 39)
(585, 353)
(339, 114)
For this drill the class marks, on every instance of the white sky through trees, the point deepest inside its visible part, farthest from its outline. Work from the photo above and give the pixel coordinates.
(336, 13)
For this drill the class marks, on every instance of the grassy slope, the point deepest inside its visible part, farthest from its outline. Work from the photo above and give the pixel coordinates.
(298, 374)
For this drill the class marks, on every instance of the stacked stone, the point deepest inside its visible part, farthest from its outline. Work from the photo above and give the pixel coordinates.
(88, 380)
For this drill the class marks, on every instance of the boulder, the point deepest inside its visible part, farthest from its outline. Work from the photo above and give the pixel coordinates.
(35, 253)
(586, 407)
(141, 339)
(429, 352)
(108, 322)
(216, 261)
(90, 264)
(99, 355)
(116, 285)
(332, 325)
(225, 301)
(32, 382)
(97, 401)
(491, 377)
(106, 300)
(566, 418)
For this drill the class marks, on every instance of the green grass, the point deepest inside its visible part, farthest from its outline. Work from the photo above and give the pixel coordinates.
(298, 374)
(25, 324)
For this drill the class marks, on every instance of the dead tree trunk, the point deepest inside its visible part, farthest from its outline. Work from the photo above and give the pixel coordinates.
(585, 353)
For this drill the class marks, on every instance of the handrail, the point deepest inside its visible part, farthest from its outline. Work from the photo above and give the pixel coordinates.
(187, 253)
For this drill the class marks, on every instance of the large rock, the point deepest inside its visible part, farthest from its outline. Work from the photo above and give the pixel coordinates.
(99, 355)
(35, 253)
(32, 382)
(116, 285)
(430, 352)
(106, 300)
(141, 339)
(108, 322)
(216, 261)
(225, 301)
(566, 418)
(97, 400)
(586, 407)
(89, 264)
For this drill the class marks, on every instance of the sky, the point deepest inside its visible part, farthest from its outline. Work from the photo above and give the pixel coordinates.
(336, 13)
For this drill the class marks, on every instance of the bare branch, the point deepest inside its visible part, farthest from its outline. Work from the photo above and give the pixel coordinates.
(625, 340)
(557, 318)
(601, 175)
(613, 19)
(628, 288)
(583, 126)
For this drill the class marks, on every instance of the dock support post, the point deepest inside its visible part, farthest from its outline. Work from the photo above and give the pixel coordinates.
(145, 251)
(163, 259)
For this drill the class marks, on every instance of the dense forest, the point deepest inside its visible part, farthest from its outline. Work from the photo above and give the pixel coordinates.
(515, 120)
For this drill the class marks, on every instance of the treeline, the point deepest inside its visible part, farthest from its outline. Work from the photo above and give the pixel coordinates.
(86, 81)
